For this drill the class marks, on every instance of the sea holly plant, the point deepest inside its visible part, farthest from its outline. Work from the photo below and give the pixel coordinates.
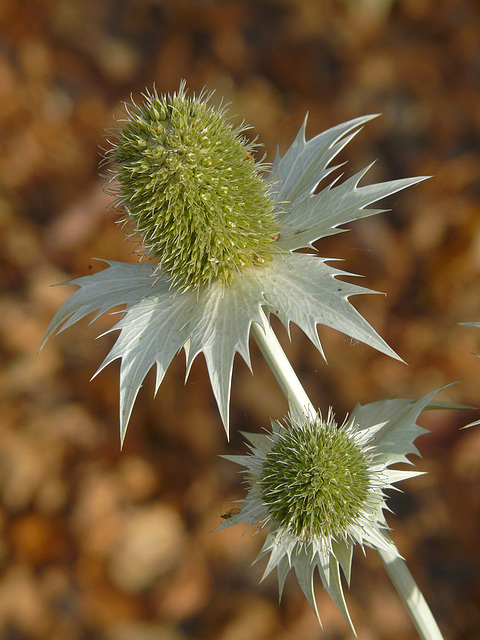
(219, 235)
(219, 242)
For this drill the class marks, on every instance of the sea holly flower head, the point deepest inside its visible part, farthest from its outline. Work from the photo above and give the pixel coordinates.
(221, 240)
(320, 489)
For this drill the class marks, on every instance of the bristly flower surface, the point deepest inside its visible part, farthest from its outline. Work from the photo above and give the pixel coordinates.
(222, 243)
(320, 488)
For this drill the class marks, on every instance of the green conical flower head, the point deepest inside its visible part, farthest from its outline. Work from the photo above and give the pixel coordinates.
(208, 219)
(315, 480)
(189, 183)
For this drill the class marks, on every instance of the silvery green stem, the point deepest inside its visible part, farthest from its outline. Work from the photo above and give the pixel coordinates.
(411, 595)
(396, 568)
(281, 368)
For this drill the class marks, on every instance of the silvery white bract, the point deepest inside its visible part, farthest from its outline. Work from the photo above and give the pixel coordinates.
(160, 319)
(383, 433)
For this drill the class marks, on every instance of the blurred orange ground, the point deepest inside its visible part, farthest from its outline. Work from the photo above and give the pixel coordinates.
(101, 544)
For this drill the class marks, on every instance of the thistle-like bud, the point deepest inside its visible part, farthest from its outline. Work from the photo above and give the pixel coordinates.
(190, 185)
(320, 488)
(315, 480)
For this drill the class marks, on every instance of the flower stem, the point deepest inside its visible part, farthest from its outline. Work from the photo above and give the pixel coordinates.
(281, 368)
(411, 595)
(396, 568)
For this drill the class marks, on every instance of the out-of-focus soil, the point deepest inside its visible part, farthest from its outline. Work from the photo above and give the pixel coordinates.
(101, 544)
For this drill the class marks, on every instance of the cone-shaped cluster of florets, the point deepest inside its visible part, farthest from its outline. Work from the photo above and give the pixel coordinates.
(317, 483)
(315, 479)
(190, 185)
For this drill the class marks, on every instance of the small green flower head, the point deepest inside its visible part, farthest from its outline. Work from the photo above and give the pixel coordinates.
(320, 489)
(190, 185)
(315, 479)
(319, 483)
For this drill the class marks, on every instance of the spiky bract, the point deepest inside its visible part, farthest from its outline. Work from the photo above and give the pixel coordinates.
(189, 183)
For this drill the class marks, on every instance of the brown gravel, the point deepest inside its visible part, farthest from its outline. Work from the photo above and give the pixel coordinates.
(101, 544)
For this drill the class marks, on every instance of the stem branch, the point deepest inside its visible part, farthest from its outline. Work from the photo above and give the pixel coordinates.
(411, 595)
(281, 368)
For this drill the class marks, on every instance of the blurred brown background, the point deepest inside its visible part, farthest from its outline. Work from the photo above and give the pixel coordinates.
(98, 544)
